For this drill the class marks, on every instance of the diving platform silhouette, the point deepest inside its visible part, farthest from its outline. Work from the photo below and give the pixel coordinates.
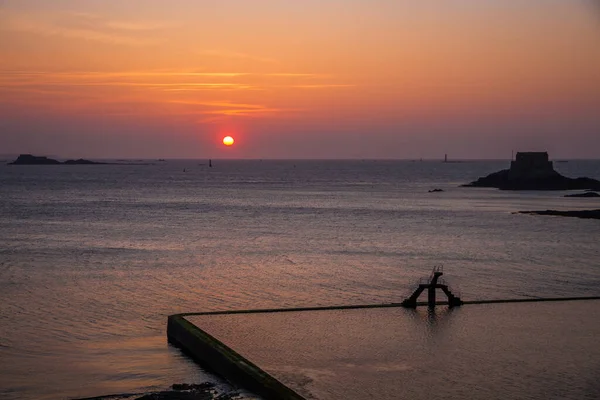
(434, 282)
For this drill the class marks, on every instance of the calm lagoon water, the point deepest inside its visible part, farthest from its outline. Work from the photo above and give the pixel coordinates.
(487, 352)
(94, 258)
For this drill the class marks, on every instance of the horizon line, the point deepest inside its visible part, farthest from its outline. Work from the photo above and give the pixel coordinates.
(416, 159)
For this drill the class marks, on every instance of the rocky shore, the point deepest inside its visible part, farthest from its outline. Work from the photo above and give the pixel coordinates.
(178, 391)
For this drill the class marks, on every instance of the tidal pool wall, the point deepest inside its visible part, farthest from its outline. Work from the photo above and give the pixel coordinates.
(281, 341)
(223, 360)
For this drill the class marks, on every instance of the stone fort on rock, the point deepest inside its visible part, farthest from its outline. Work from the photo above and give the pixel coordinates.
(531, 165)
(533, 171)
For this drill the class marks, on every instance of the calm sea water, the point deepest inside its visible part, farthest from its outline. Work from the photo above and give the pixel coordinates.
(94, 258)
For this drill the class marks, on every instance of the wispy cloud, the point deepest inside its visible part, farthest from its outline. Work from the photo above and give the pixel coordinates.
(218, 110)
(169, 92)
(125, 74)
(236, 55)
(297, 75)
(163, 80)
(215, 116)
(209, 86)
(221, 104)
(321, 86)
(82, 26)
(170, 80)
(245, 112)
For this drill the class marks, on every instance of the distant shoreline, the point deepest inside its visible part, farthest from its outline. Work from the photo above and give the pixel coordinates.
(28, 159)
(110, 159)
(586, 214)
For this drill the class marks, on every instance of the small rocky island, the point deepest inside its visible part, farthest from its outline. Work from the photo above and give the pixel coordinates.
(28, 159)
(533, 171)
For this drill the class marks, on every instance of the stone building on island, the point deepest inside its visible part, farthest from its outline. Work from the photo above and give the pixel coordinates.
(533, 171)
(531, 165)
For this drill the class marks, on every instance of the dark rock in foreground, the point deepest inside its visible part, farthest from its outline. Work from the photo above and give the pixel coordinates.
(436, 190)
(585, 194)
(533, 171)
(183, 391)
(203, 391)
(28, 159)
(589, 214)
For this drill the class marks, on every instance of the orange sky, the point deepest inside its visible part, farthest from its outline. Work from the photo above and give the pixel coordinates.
(309, 79)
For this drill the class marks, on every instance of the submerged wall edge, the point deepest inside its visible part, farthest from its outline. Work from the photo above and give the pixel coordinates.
(385, 305)
(212, 353)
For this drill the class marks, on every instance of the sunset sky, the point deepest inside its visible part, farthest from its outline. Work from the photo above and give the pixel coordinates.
(300, 79)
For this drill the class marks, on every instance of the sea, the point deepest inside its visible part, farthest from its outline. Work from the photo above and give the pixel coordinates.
(93, 258)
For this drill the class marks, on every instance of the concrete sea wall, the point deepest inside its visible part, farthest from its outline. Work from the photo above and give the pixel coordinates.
(212, 353)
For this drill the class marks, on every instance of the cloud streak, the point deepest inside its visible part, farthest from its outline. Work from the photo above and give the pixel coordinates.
(83, 26)
(231, 108)
(236, 55)
(321, 86)
(167, 80)
(169, 92)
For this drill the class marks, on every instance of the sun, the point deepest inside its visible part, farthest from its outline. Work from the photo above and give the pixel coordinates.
(228, 141)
